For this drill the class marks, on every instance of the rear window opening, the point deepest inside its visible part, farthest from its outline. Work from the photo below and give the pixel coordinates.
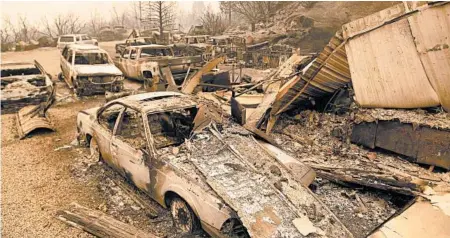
(148, 52)
(91, 58)
(171, 128)
(66, 39)
(22, 71)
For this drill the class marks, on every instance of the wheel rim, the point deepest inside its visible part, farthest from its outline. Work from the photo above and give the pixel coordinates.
(182, 216)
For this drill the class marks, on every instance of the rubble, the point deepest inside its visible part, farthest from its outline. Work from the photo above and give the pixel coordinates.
(309, 137)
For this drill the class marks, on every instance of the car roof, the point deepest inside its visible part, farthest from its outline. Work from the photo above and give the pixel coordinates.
(17, 64)
(85, 47)
(157, 101)
(155, 46)
(197, 36)
(73, 35)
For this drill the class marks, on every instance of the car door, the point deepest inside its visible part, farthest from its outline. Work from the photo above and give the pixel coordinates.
(129, 146)
(62, 60)
(66, 61)
(122, 62)
(106, 123)
(132, 64)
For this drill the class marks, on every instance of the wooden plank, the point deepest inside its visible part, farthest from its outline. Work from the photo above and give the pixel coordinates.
(99, 224)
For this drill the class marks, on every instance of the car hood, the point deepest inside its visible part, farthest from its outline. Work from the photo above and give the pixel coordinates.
(99, 69)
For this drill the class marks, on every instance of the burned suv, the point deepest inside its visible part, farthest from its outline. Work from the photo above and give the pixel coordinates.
(211, 172)
(88, 69)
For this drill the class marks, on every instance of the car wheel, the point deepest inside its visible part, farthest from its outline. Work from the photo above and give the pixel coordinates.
(94, 150)
(60, 76)
(183, 217)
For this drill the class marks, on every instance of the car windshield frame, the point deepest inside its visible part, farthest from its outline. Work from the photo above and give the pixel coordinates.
(154, 52)
(193, 111)
(66, 37)
(91, 58)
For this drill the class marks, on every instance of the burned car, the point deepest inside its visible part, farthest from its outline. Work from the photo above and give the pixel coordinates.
(145, 62)
(70, 39)
(23, 84)
(212, 174)
(120, 47)
(88, 69)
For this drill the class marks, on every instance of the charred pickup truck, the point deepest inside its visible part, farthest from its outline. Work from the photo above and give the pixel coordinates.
(88, 69)
(211, 172)
(145, 62)
(120, 47)
(23, 84)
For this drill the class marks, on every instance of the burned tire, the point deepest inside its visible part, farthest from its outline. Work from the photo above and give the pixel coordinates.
(183, 217)
(94, 151)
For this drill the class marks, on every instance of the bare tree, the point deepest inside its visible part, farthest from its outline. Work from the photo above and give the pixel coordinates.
(255, 11)
(6, 32)
(95, 23)
(119, 18)
(213, 23)
(226, 8)
(161, 13)
(68, 24)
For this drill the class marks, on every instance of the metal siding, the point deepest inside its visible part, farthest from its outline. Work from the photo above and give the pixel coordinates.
(386, 70)
(431, 31)
(328, 72)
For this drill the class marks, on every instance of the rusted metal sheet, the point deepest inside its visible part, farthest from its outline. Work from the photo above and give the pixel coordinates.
(190, 84)
(434, 147)
(397, 137)
(328, 72)
(364, 134)
(390, 61)
(420, 144)
(431, 30)
(29, 119)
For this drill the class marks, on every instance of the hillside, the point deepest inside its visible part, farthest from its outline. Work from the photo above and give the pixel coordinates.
(309, 26)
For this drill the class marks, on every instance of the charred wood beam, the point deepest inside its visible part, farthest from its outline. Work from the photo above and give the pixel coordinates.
(99, 224)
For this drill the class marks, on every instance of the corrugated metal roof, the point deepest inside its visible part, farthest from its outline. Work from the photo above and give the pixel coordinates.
(431, 31)
(399, 57)
(328, 72)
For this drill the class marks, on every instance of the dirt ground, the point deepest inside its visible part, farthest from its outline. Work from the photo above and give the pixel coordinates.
(45, 173)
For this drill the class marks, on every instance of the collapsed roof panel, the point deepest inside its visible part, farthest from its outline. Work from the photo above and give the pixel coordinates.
(431, 31)
(390, 61)
(328, 72)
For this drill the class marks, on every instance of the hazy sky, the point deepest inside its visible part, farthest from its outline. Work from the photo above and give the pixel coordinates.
(35, 11)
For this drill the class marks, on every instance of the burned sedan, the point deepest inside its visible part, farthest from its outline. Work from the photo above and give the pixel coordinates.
(88, 69)
(23, 84)
(212, 174)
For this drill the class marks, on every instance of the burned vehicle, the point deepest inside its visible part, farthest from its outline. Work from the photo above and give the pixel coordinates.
(23, 84)
(120, 47)
(70, 39)
(88, 69)
(145, 62)
(212, 174)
